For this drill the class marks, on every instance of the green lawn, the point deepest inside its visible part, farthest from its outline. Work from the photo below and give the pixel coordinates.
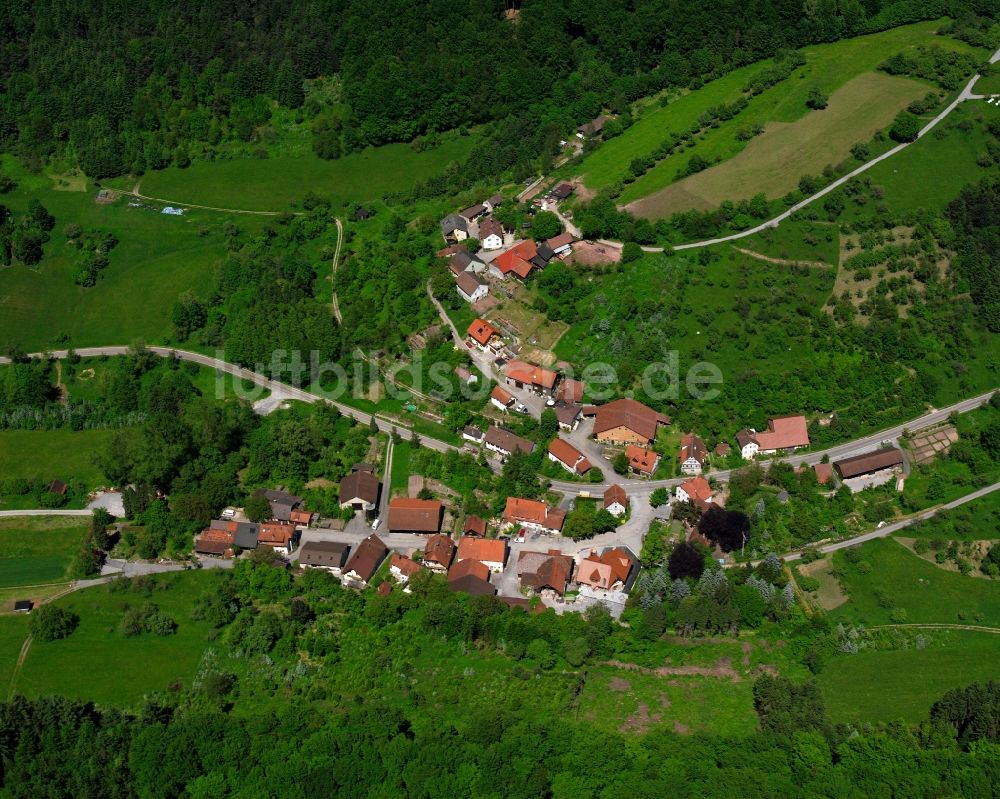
(904, 683)
(38, 550)
(400, 467)
(829, 67)
(97, 662)
(13, 631)
(933, 170)
(988, 84)
(272, 184)
(927, 593)
(157, 259)
(52, 454)
(797, 240)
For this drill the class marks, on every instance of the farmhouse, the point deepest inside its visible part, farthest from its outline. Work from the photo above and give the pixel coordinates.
(301, 517)
(534, 378)
(869, 463)
(615, 500)
(695, 490)
(570, 391)
(464, 261)
(641, 460)
(359, 491)
(562, 191)
(471, 287)
(483, 334)
(491, 552)
(438, 552)
(516, 261)
(490, 234)
(403, 568)
(470, 577)
(505, 443)
(608, 571)
(545, 571)
(415, 515)
(693, 454)
(329, 555)
(219, 543)
(473, 212)
(364, 562)
(493, 202)
(454, 228)
(473, 434)
(627, 421)
(783, 433)
(280, 536)
(533, 515)
(562, 244)
(474, 525)
(568, 456)
(568, 416)
(282, 503)
(501, 398)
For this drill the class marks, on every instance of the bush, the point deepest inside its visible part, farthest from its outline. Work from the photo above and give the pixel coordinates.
(906, 127)
(50, 623)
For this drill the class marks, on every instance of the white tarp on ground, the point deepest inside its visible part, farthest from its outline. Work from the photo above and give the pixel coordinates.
(111, 501)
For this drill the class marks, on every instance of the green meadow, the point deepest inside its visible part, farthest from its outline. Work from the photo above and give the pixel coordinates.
(66, 455)
(271, 184)
(874, 686)
(796, 240)
(158, 257)
(98, 662)
(829, 67)
(38, 550)
(889, 576)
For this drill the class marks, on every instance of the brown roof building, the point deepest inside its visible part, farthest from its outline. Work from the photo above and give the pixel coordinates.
(415, 515)
(568, 456)
(626, 421)
(534, 515)
(474, 525)
(359, 490)
(693, 454)
(641, 460)
(605, 571)
(570, 390)
(615, 500)
(470, 577)
(481, 332)
(491, 552)
(438, 552)
(545, 570)
(526, 375)
(324, 554)
(215, 542)
(869, 462)
(366, 558)
(783, 432)
(403, 568)
(506, 442)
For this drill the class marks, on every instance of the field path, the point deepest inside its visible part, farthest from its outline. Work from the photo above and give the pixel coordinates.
(779, 261)
(333, 275)
(135, 193)
(973, 627)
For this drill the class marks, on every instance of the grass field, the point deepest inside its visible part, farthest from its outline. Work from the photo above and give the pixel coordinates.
(272, 184)
(797, 240)
(773, 162)
(904, 683)
(932, 171)
(51, 454)
(157, 258)
(988, 84)
(400, 467)
(38, 550)
(97, 662)
(829, 67)
(13, 631)
(927, 594)
(614, 700)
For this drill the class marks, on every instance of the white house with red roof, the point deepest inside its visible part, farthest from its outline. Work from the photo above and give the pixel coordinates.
(695, 490)
(784, 433)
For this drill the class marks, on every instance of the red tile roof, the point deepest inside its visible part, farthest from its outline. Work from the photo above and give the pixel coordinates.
(545, 570)
(275, 534)
(517, 259)
(824, 471)
(466, 568)
(490, 226)
(482, 549)
(631, 414)
(214, 542)
(570, 390)
(641, 459)
(569, 455)
(482, 331)
(405, 565)
(698, 489)
(475, 525)
(869, 462)
(501, 395)
(693, 447)
(439, 549)
(783, 432)
(366, 557)
(415, 515)
(532, 511)
(523, 372)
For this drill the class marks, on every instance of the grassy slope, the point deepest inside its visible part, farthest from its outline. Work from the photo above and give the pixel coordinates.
(927, 594)
(157, 258)
(50, 454)
(37, 550)
(13, 631)
(98, 663)
(829, 67)
(797, 240)
(271, 184)
(904, 683)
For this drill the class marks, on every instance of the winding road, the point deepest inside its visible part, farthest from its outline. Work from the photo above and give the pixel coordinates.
(333, 275)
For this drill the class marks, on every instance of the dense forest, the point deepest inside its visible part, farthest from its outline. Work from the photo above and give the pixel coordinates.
(123, 87)
(315, 691)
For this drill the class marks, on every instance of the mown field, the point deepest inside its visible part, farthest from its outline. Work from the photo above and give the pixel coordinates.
(158, 257)
(796, 146)
(99, 663)
(773, 162)
(271, 184)
(904, 683)
(38, 550)
(13, 631)
(52, 454)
